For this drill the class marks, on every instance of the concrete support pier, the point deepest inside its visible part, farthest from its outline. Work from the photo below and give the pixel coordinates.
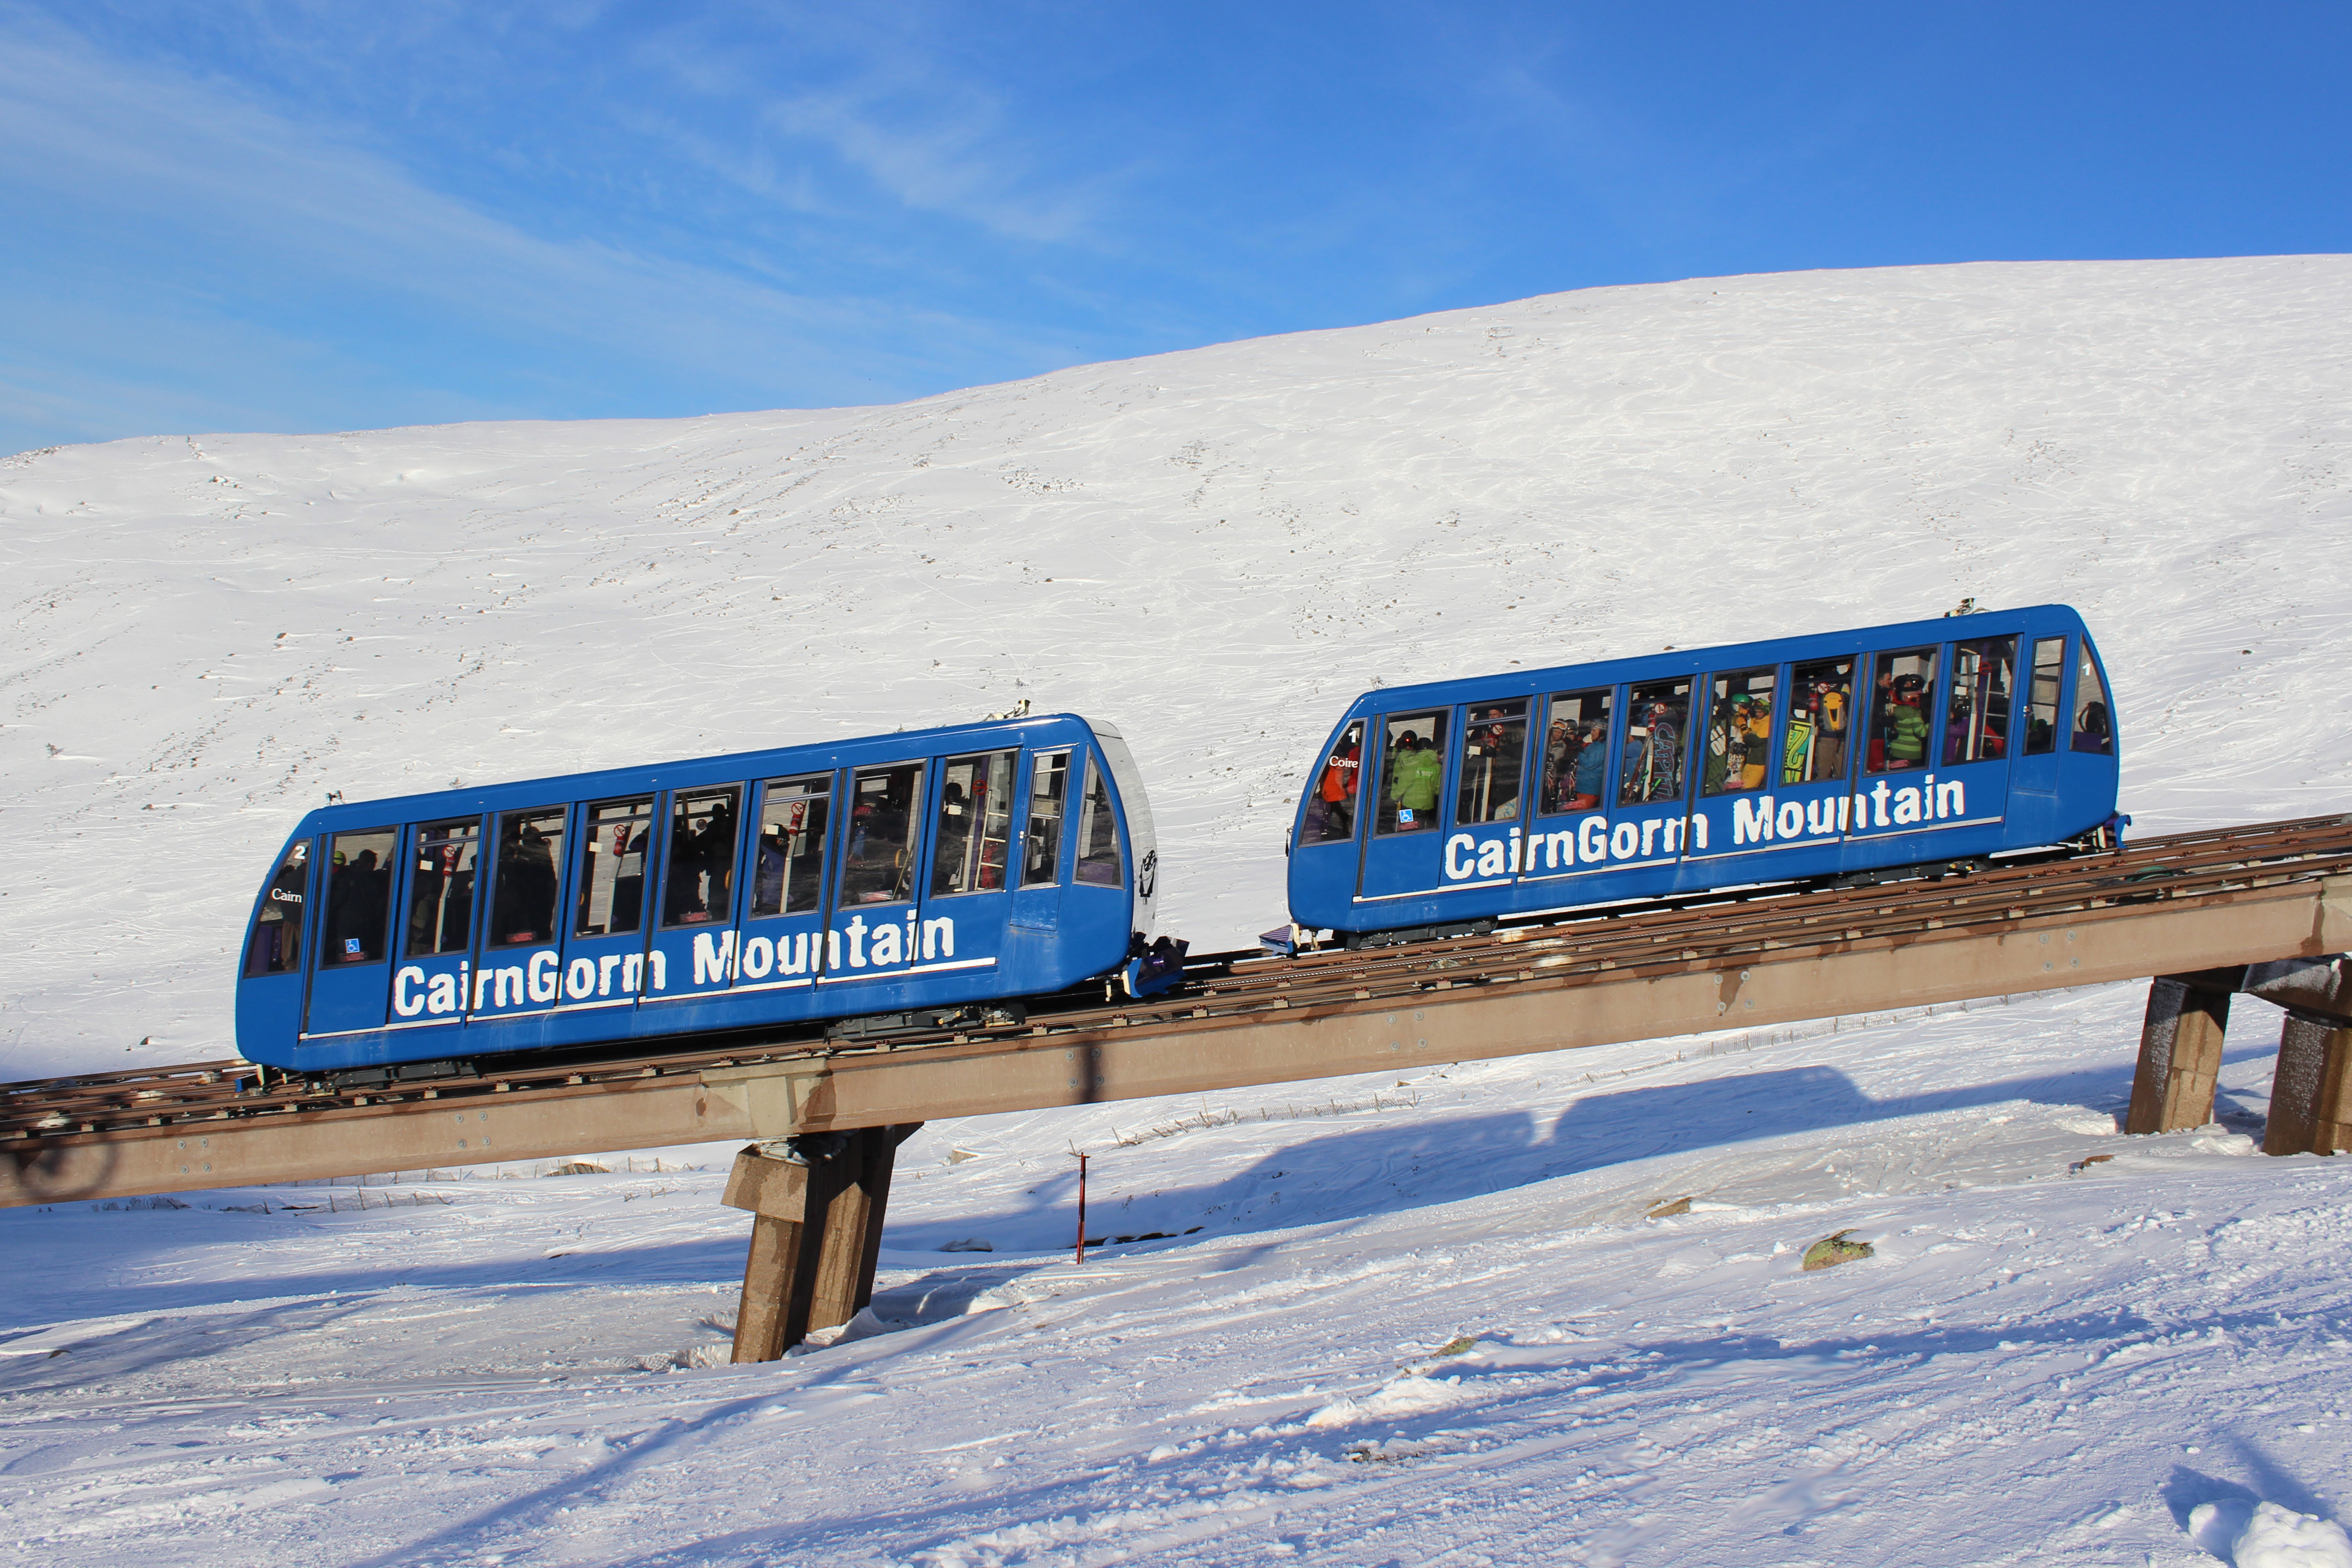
(816, 1235)
(2180, 1050)
(2310, 1099)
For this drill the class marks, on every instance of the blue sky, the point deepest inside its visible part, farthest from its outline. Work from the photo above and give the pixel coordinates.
(248, 214)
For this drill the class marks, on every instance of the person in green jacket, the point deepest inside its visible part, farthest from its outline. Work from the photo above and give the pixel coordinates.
(1415, 772)
(1906, 727)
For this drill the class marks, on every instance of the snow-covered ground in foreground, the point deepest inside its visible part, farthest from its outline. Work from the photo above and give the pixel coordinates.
(2049, 1356)
(2065, 1346)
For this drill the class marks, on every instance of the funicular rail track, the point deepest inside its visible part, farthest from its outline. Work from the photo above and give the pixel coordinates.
(2182, 902)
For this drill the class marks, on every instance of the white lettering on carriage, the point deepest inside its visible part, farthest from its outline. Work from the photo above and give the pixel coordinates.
(1461, 843)
(545, 969)
(403, 1002)
(714, 957)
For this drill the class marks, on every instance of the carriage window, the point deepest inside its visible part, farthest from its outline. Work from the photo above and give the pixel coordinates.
(2041, 698)
(1049, 787)
(2094, 727)
(1984, 688)
(1098, 856)
(879, 867)
(1739, 731)
(789, 878)
(1900, 702)
(1413, 772)
(698, 872)
(1821, 714)
(1494, 759)
(441, 886)
(1576, 751)
(612, 867)
(1331, 799)
(1654, 716)
(975, 824)
(276, 945)
(359, 896)
(523, 901)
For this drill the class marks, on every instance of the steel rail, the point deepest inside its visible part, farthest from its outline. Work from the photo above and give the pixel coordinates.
(1733, 960)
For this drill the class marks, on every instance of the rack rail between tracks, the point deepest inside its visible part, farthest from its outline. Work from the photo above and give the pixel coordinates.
(2188, 902)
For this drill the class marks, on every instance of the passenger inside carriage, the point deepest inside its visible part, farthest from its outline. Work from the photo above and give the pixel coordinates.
(1653, 769)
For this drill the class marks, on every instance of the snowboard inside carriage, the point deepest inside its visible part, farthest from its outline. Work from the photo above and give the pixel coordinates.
(898, 877)
(1444, 807)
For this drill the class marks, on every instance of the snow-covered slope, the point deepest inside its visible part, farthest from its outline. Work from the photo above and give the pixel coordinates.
(1211, 549)
(2050, 1357)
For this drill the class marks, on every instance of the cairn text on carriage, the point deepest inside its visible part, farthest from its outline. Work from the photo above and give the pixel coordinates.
(719, 958)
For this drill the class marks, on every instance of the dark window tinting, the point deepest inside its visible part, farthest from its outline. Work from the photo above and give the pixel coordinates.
(882, 821)
(789, 876)
(975, 824)
(359, 896)
(1331, 799)
(1412, 771)
(1739, 731)
(1654, 716)
(2094, 727)
(277, 944)
(1903, 694)
(1984, 689)
(2041, 698)
(612, 887)
(1099, 858)
(1493, 761)
(1821, 716)
(441, 886)
(699, 875)
(522, 905)
(1049, 792)
(1576, 752)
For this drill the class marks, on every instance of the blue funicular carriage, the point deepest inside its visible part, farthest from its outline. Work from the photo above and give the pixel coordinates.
(1442, 808)
(893, 881)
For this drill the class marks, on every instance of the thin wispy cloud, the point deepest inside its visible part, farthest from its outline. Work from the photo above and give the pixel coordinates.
(309, 215)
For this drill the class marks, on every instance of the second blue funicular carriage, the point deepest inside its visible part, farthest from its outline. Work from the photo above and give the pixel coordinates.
(1446, 806)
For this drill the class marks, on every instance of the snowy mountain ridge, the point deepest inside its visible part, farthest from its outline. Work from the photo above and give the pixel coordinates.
(1210, 549)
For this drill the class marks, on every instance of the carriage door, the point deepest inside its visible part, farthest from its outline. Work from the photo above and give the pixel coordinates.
(2035, 739)
(1483, 846)
(350, 988)
(693, 948)
(437, 941)
(1037, 890)
(520, 970)
(605, 952)
(1972, 766)
(783, 931)
(971, 899)
(879, 891)
(1896, 717)
(1740, 804)
(1407, 842)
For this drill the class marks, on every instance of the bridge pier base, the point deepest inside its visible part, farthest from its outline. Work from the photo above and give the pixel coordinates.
(816, 1235)
(2311, 1091)
(2181, 1051)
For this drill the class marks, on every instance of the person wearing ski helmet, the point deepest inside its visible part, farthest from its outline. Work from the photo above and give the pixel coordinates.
(1906, 726)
